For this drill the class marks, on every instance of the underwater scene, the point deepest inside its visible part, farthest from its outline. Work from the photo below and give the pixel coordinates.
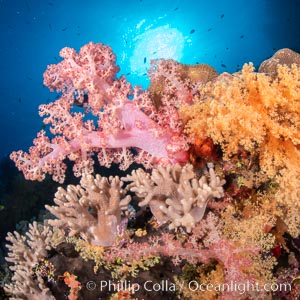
(150, 150)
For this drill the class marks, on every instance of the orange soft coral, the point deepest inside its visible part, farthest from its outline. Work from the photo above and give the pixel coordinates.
(256, 112)
(74, 285)
(250, 110)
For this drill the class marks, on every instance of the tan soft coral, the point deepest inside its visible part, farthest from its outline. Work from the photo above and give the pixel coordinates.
(92, 209)
(175, 194)
(254, 111)
(24, 253)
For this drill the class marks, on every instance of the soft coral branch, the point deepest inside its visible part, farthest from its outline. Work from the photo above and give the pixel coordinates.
(126, 119)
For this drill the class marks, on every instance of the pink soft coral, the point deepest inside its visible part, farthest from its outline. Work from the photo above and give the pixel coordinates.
(123, 118)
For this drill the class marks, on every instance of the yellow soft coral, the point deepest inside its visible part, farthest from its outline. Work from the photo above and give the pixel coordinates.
(256, 112)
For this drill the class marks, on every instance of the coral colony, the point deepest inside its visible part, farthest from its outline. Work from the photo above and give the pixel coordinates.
(211, 207)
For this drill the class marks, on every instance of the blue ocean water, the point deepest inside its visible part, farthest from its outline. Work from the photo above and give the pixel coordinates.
(222, 33)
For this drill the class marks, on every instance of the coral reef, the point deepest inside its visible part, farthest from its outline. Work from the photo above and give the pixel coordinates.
(213, 213)
(252, 112)
(173, 193)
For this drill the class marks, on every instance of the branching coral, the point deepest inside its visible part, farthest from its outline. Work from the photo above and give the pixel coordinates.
(262, 115)
(175, 194)
(24, 254)
(115, 119)
(92, 209)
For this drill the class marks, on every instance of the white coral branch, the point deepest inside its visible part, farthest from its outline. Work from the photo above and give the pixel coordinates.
(175, 194)
(92, 208)
(24, 253)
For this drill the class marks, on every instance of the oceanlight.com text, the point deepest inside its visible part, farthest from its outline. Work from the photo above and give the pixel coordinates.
(239, 287)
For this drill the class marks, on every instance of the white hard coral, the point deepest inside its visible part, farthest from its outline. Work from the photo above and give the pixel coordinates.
(92, 209)
(175, 194)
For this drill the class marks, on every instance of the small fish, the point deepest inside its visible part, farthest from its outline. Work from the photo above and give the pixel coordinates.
(20, 100)
(227, 48)
(144, 74)
(154, 52)
(55, 58)
(175, 8)
(128, 74)
(192, 31)
(210, 29)
(222, 16)
(145, 60)
(241, 37)
(64, 29)
(50, 26)
(223, 66)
